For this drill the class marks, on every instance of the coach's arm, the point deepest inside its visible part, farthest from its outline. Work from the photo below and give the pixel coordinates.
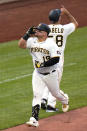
(69, 16)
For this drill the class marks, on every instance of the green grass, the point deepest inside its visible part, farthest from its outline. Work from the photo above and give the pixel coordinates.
(16, 83)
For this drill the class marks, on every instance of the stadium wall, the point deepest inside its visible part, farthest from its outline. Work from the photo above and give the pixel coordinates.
(17, 16)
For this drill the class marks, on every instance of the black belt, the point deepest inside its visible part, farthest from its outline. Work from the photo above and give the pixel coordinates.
(47, 72)
(50, 36)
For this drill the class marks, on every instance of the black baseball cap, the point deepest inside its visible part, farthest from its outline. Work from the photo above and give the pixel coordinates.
(54, 15)
(43, 27)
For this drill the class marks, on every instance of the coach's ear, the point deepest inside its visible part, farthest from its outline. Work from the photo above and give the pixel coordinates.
(22, 43)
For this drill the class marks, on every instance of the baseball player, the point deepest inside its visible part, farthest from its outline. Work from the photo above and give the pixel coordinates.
(45, 54)
(59, 33)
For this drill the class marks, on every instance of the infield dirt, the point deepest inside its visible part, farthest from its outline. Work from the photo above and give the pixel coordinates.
(75, 120)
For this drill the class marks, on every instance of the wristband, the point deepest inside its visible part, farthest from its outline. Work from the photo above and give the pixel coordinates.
(26, 36)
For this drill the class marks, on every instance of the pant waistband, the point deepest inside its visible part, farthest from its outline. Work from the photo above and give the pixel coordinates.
(47, 72)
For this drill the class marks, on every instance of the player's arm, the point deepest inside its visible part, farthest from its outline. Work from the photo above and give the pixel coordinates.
(51, 61)
(23, 41)
(55, 54)
(64, 11)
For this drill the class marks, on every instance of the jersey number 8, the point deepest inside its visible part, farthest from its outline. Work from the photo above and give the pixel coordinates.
(59, 40)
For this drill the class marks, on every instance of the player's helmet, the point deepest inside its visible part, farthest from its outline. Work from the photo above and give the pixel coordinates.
(54, 15)
(43, 27)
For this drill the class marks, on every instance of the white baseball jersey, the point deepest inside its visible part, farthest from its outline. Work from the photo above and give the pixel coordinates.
(43, 51)
(59, 33)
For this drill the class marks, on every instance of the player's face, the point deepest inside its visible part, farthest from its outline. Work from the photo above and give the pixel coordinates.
(40, 33)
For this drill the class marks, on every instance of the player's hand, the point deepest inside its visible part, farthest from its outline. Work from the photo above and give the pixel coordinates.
(29, 33)
(31, 30)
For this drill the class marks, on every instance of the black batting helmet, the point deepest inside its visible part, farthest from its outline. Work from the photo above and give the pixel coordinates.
(54, 15)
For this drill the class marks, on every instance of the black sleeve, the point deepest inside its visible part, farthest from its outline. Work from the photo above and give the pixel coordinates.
(51, 62)
(26, 36)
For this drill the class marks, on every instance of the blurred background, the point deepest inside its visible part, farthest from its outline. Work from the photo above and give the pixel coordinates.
(16, 16)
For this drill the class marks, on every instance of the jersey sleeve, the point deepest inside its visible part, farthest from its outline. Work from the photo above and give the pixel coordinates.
(69, 28)
(29, 41)
(54, 52)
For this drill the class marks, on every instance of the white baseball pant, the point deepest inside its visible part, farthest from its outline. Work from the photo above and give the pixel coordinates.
(47, 95)
(40, 81)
